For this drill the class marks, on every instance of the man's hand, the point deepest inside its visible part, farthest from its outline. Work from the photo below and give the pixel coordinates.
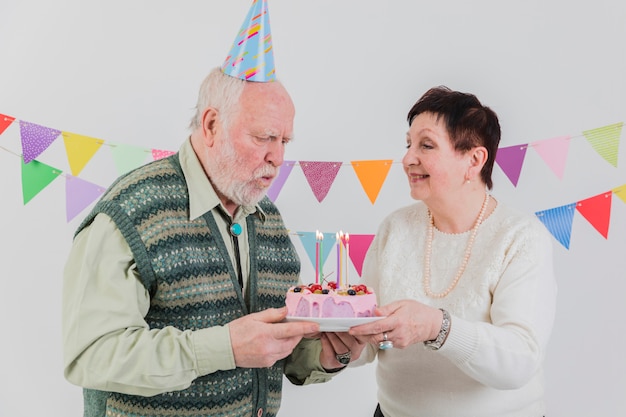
(259, 339)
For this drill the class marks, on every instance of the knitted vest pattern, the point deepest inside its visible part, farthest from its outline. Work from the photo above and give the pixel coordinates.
(186, 268)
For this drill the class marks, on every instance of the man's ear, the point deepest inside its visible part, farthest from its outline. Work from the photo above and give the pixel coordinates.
(210, 119)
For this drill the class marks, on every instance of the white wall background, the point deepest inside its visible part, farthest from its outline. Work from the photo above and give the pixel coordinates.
(128, 71)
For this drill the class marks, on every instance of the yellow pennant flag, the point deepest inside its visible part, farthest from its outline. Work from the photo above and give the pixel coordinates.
(620, 192)
(605, 141)
(372, 175)
(80, 149)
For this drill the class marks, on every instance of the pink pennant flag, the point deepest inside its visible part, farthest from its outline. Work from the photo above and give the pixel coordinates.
(5, 122)
(320, 176)
(554, 153)
(160, 154)
(359, 245)
(78, 195)
(597, 211)
(511, 160)
(36, 139)
(279, 181)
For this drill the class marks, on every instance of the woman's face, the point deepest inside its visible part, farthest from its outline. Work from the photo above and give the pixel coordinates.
(435, 170)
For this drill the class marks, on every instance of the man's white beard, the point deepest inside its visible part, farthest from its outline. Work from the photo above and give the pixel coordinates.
(222, 171)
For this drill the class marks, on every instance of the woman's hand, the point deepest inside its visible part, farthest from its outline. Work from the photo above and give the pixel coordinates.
(407, 322)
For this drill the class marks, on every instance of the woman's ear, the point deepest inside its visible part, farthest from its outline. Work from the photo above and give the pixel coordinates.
(478, 159)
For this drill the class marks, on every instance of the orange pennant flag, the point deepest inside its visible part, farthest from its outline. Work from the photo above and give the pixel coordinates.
(372, 175)
(80, 149)
(597, 211)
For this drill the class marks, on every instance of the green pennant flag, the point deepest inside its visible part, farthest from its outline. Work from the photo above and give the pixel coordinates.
(128, 157)
(35, 177)
(605, 141)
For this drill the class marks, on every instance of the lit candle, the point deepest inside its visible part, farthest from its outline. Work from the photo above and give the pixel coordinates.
(338, 240)
(321, 260)
(317, 256)
(347, 244)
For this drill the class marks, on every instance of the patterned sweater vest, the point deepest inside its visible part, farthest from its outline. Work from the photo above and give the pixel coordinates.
(186, 268)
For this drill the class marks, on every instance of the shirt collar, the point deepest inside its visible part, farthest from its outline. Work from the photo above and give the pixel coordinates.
(202, 195)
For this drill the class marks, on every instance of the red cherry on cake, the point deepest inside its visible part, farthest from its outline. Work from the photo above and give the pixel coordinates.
(332, 285)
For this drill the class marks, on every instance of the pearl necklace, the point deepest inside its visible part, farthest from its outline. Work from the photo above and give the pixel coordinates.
(468, 252)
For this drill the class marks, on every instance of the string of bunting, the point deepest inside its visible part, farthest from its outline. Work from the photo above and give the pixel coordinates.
(320, 175)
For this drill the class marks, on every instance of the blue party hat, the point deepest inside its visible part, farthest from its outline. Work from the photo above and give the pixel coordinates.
(251, 57)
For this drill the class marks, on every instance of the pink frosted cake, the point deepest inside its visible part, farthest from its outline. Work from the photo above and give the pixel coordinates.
(318, 300)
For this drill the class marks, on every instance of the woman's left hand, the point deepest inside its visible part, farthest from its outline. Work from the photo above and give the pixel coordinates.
(407, 322)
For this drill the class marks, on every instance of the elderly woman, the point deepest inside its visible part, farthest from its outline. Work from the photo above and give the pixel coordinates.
(466, 284)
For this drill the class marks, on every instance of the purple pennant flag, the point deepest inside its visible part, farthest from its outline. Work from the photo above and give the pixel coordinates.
(277, 185)
(320, 176)
(558, 221)
(36, 139)
(511, 160)
(78, 195)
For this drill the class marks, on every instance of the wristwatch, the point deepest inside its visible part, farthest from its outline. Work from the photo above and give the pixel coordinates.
(443, 333)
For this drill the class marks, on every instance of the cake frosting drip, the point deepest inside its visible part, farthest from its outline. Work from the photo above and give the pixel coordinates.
(327, 301)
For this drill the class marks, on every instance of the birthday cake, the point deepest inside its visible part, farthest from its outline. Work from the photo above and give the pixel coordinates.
(326, 301)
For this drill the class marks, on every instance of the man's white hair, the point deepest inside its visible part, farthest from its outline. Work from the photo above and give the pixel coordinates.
(221, 92)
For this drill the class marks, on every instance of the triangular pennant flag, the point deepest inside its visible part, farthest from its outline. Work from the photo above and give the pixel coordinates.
(79, 194)
(80, 149)
(511, 159)
(359, 244)
(554, 153)
(326, 247)
(36, 139)
(558, 221)
(308, 242)
(128, 157)
(160, 154)
(35, 177)
(605, 141)
(620, 192)
(279, 181)
(5, 122)
(320, 176)
(372, 175)
(597, 211)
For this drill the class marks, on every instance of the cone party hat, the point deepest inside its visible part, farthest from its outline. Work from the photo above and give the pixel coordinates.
(251, 57)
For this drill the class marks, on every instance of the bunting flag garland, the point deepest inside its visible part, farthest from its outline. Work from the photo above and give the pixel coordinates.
(320, 176)
(35, 177)
(80, 149)
(359, 245)
(559, 220)
(279, 181)
(511, 159)
(372, 175)
(78, 195)
(605, 141)
(554, 153)
(597, 211)
(5, 122)
(36, 139)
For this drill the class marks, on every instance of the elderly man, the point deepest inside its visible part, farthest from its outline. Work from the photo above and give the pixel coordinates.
(174, 287)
